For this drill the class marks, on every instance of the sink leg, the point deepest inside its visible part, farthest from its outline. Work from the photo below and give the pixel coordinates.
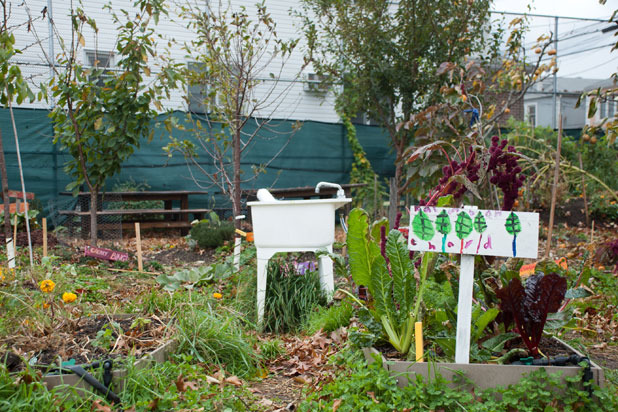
(262, 265)
(326, 274)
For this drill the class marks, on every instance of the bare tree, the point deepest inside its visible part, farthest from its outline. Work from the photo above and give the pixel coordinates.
(237, 69)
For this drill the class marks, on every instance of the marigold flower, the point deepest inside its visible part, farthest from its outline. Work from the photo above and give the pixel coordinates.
(217, 295)
(69, 297)
(47, 286)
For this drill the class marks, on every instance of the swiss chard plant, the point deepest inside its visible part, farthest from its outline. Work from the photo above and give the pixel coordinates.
(382, 263)
(528, 305)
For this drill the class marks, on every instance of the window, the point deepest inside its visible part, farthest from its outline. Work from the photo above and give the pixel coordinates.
(531, 114)
(201, 95)
(101, 60)
(315, 83)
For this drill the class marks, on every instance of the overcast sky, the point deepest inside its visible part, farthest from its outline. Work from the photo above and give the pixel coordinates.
(584, 45)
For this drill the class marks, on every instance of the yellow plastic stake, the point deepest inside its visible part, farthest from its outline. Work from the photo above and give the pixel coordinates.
(418, 335)
(241, 233)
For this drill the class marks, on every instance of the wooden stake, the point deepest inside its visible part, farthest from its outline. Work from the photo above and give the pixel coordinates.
(44, 223)
(15, 235)
(581, 166)
(138, 238)
(554, 189)
(418, 336)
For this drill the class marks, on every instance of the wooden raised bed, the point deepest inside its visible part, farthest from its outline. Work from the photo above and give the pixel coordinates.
(484, 376)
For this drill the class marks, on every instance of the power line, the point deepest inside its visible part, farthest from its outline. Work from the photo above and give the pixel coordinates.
(547, 15)
(590, 68)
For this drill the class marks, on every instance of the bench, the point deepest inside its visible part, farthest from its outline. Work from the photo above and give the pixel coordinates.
(178, 217)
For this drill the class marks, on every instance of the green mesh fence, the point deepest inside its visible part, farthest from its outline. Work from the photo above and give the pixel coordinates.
(316, 152)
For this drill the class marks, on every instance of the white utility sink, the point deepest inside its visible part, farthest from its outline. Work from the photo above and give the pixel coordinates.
(293, 226)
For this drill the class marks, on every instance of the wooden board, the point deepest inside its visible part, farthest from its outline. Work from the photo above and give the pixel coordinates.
(106, 254)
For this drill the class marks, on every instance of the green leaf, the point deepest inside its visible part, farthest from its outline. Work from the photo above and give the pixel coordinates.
(445, 201)
(402, 271)
(480, 224)
(443, 223)
(382, 291)
(482, 321)
(496, 343)
(422, 226)
(463, 225)
(361, 250)
(577, 293)
(513, 225)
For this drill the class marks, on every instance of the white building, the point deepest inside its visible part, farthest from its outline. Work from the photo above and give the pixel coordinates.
(39, 46)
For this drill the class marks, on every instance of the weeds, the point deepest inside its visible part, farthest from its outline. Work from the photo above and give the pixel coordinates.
(215, 339)
(290, 297)
(329, 319)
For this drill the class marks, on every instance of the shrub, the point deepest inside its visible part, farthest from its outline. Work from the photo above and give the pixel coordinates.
(290, 297)
(211, 233)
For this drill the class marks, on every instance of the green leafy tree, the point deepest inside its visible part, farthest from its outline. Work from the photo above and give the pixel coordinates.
(386, 55)
(463, 227)
(101, 116)
(422, 226)
(443, 226)
(233, 55)
(513, 227)
(480, 225)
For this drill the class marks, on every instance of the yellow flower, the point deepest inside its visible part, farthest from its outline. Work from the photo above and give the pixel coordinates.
(217, 295)
(45, 305)
(69, 297)
(47, 286)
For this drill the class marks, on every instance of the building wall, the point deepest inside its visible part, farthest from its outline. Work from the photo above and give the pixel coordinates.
(294, 104)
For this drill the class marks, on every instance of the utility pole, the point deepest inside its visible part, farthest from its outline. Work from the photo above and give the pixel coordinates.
(555, 94)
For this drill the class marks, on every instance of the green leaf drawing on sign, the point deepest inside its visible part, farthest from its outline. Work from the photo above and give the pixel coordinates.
(463, 225)
(513, 227)
(422, 227)
(443, 225)
(480, 224)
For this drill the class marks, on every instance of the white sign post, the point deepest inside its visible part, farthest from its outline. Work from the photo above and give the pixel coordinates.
(469, 231)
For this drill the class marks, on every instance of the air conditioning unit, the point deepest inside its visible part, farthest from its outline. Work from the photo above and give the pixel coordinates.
(315, 83)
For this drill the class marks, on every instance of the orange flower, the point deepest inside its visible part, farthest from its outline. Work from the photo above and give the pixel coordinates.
(69, 297)
(217, 295)
(45, 305)
(47, 286)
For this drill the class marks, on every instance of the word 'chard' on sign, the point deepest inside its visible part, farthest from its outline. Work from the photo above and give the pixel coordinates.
(456, 230)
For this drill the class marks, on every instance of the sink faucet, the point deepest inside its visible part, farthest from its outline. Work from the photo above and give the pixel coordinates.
(340, 192)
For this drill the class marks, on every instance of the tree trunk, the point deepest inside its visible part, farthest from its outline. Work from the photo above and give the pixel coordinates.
(236, 206)
(94, 199)
(5, 192)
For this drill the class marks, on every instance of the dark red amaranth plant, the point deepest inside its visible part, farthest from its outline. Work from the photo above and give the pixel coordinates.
(505, 171)
(448, 185)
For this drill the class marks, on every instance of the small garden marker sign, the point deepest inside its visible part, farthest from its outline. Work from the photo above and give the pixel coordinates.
(106, 254)
(469, 231)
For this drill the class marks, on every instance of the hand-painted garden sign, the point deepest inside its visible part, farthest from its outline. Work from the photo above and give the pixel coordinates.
(474, 232)
(469, 231)
(107, 254)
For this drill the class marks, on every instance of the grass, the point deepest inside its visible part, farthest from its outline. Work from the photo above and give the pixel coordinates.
(290, 297)
(329, 319)
(217, 339)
